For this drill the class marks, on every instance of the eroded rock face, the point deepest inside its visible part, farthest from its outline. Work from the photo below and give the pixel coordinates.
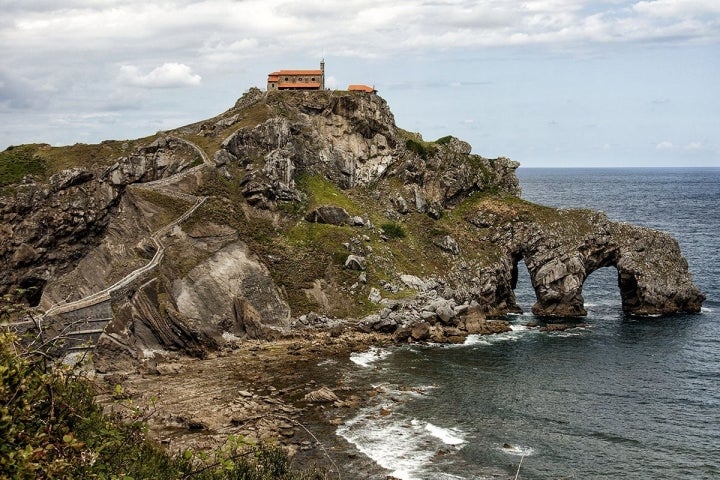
(228, 296)
(653, 276)
(352, 141)
(47, 227)
(207, 296)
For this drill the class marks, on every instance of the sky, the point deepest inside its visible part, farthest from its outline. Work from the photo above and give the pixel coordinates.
(549, 83)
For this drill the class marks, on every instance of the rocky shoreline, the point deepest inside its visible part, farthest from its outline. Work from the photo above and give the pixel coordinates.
(292, 391)
(273, 392)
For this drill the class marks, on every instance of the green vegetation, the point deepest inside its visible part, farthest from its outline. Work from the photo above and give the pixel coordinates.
(393, 230)
(321, 191)
(250, 117)
(423, 149)
(89, 155)
(50, 428)
(43, 160)
(444, 140)
(16, 162)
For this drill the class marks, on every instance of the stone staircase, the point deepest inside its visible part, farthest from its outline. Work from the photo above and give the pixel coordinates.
(77, 326)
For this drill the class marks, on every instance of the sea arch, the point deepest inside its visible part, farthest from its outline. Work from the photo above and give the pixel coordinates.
(652, 275)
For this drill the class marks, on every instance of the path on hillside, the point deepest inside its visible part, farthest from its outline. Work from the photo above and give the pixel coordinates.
(78, 327)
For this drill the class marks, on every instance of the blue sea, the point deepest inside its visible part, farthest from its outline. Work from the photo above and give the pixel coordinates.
(623, 397)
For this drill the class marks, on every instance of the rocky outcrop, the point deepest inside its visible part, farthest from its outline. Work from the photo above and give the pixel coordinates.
(297, 183)
(562, 248)
(352, 141)
(48, 226)
(228, 296)
(329, 214)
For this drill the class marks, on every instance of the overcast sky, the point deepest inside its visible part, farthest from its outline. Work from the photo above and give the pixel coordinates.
(545, 82)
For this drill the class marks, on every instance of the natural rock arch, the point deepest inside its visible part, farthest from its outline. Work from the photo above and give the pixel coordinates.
(652, 275)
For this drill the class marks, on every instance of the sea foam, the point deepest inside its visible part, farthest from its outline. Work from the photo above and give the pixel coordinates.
(518, 450)
(368, 357)
(448, 436)
(516, 333)
(404, 445)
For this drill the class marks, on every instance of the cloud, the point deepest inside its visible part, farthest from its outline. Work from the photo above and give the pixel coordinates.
(694, 146)
(664, 145)
(677, 8)
(331, 82)
(112, 55)
(167, 75)
(363, 28)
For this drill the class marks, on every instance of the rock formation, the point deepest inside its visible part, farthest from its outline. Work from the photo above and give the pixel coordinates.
(295, 209)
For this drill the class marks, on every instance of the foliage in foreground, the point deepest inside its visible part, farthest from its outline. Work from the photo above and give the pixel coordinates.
(50, 427)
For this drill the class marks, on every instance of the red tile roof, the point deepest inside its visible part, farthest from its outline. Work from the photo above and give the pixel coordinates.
(361, 88)
(297, 72)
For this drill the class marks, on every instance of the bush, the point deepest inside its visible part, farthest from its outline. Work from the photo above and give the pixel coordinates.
(416, 147)
(444, 140)
(393, 230)
(16, 162)
(50, 427)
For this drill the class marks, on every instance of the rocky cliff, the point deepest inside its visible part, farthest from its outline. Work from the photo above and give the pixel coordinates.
(294, 210)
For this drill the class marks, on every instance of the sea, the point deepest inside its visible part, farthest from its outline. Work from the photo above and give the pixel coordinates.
(623, 397)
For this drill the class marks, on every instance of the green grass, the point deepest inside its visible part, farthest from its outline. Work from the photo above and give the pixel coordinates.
(250, 117)
(393, 230)
(16, 162)
(321, 191)
(90, 155)
(43, 160)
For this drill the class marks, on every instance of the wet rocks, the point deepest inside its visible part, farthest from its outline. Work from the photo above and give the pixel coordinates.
(322, 395)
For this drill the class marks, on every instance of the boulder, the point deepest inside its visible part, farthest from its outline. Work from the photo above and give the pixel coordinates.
(355, 262)
(322, 395)
(447, 243)
(331, 215)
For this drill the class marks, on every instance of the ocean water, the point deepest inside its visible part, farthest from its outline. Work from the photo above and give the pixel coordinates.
(623, 397)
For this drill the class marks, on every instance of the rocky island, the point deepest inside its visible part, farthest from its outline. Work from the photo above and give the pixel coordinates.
(295, 224)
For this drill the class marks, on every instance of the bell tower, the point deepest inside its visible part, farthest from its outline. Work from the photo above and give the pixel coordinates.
(322, 74)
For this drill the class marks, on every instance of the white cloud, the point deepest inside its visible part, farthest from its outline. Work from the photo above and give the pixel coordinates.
(694, 146)
(664, 145)
(677, 8)
(355, 27)
(84, 56)
(167, 75)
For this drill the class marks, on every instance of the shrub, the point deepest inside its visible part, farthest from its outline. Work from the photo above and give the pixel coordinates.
(416, 147)
(16, 162)
(444, 140)
(393, 230)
